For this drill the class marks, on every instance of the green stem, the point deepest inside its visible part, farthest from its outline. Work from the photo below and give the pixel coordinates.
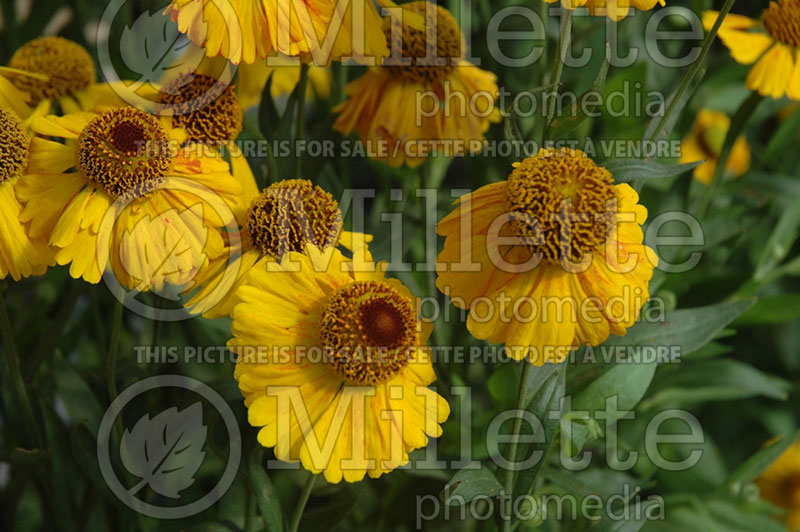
(522, 402)
(540, 73)
(301, 502)
(558, 68)
(738, 123)
(113, 352)
(10, 350)
(693, 70)
(301, 116)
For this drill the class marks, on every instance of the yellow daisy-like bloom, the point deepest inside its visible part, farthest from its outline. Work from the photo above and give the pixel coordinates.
(780, 484)
(548, 260)
(704, 143)
(286, 217)
(20, 255)
(382, 104)
(773, 44)
(118, 191)
(244, 31)
(51, 70)
(334, 367)
(614, 9)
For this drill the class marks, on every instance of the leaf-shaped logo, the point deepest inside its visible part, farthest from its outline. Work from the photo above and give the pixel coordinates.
(151, 45)
(166, 451)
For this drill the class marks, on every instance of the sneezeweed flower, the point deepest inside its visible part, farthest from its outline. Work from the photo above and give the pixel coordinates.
(457, 98)
(51, 70)
(20, 256)
(772, 43)
(286, 217)
(705, 141)
(549, 259)
(334, 366)
(614, 9)
(119, 192)
(248, 31)
(780, 484)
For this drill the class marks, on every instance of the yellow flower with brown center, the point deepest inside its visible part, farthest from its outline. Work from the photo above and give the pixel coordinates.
(51, 70)
(772, 44)
(780, 484)
(285, 217)
(115, 190)
(548, 260)
(20, 255)
(705, 141)
(247, 31)
(334, 365)
(411, 105)
(614, 9)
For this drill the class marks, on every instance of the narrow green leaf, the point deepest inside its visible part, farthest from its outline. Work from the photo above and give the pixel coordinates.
(79, 399)
(756, 464)
(780, 241)
(781, 308)
(268, 503)
(627, 170)
(268, 117)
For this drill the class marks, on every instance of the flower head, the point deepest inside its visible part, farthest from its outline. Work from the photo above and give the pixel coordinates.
(772, 44)
(20, 255)
(405, 106)
(120, 192)
(780, 484)
(705, 141)
(614, 9)
(248, 31)
(548, 260)
(333, 366)
(286, 217)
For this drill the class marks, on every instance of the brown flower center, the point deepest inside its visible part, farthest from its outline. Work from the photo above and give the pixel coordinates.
(559, 202)
(126, 152)
(782, 20)
(207, 108)
(369, 331)
(13, 145)
(433, 52)
(290, 214)
(67, 65)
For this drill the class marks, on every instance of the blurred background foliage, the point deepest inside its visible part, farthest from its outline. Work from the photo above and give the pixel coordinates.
(739, 373)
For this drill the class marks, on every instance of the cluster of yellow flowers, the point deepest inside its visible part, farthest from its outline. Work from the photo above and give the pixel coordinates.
(110, 189)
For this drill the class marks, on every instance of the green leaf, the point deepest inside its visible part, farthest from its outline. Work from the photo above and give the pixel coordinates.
(715, 380)
(268, 117)
(683, 99)
(784, 137)
(782, 308)
(687, 330)
(36, 462)
(756, 464)
(546, 400)
(579, 112)
(780, 241)
(627, 170)
(268, 503)
(467, 484)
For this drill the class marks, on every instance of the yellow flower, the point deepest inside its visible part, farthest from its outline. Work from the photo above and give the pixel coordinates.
(780, 484)
(615, 9)
(549, 259)
(704, 142)
(244, 31)
(119, 192)
(773, 44)
(409, 108)
(333, 365)
(285, 217)
(51, 70)
(20, 255)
